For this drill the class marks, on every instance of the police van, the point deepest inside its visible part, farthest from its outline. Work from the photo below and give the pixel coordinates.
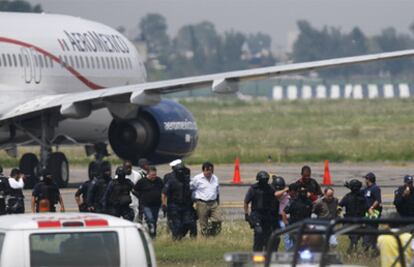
(73, 239)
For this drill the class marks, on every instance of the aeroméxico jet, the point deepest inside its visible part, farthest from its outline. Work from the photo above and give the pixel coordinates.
(67, 80)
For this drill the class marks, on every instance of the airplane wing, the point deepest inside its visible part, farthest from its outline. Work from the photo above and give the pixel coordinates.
(80, 104)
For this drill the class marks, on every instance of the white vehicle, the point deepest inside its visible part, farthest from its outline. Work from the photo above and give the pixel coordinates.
(73, 239)
(66, 80)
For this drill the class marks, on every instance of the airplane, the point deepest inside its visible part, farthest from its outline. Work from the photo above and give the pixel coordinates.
(67, 80)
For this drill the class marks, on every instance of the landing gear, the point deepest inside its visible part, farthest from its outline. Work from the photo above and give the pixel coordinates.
(55, 162)
(58, 165)
(29, 165)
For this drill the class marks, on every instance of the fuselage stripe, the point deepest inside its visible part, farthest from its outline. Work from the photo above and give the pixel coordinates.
(75, 73)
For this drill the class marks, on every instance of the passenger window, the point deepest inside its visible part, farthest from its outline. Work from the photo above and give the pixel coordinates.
(103, 63)
(4, 59)
(68, 249)
(40, 58)
(81, 62)
(98, 66)
(77, 62)
(130, 63)
(71, 62)
(87, 62)
(113, 62)
(108, 64)
(117, 63)
(46, 63)
(9, 60)
(14, 60)
(122, 63)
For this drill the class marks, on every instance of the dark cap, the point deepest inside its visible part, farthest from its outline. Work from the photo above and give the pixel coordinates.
(408, 179)
(370, 176)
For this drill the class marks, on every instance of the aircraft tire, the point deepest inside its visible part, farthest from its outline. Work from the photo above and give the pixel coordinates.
(58, 165)
(29, 164)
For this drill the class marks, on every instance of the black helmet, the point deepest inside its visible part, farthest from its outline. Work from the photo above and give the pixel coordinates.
(354, 185)
(105, 167)
(120, 172)
(262, 176)
(278, 182)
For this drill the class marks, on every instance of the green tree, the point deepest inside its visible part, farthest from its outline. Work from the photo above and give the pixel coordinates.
(154, 32)
(258, 42)
(232, 50)
(19, 6)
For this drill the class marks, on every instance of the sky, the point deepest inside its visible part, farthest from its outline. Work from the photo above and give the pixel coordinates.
(274, 17)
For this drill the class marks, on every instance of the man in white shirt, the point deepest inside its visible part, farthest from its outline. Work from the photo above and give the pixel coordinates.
(205, 187)
(134, 176)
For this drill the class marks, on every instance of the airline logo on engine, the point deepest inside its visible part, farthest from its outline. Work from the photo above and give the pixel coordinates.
(180, 125)
(92, 41)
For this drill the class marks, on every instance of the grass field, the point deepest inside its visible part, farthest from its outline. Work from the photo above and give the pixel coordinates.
(295, 131)
(235, 237)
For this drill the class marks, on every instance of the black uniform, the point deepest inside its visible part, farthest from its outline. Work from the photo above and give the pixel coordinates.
(83, 191)
(181, 214)
(404, 205)
(4, 191)
(95, 193)
(117, 198)
(46, 189)
(312, 186)
(264, 216)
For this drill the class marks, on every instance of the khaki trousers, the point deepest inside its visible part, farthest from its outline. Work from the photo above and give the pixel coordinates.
(208, 210)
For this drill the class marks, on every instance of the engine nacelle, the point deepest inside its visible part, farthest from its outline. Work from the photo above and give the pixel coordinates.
(160, 133)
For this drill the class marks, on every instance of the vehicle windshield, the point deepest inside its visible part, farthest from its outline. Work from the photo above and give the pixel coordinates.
(74, 249)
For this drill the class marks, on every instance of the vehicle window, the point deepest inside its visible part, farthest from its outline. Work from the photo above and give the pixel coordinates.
(14, 60)
(1, 242)
(69, 249)
(146, 248)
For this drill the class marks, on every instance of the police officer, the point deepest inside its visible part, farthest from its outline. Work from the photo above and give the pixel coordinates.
(15, 201)
(177, 202)
(282, 194)
(97, 188)
(83, 191)
(118, 196)
(355, 206)
(372, 193)
(264, 210)
(4, 190)
(46, 194)
(404, 198)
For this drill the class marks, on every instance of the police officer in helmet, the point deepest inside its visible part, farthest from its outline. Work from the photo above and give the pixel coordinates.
(355, 206)
(404, 198)
(118, 196)
(46, 194)
(4, 191)
(83, 190)
(264, 210)
(97, 188)
(178, 203)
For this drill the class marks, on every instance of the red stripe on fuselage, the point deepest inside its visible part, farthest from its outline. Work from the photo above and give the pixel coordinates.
(87, 82)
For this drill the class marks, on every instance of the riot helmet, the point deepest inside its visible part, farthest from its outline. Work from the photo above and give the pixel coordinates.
(278, 182)
(262, 177)
(46, 175)
(105, 170)
(181, 172)
(355, 185)
(120, 173)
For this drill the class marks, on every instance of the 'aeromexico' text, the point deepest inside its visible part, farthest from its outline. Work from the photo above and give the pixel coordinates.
(92, 41)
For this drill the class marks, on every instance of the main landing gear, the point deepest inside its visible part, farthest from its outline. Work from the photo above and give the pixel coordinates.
(55, 162)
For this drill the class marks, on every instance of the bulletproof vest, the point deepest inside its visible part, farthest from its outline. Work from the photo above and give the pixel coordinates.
(48, 191)
(120, 189)
(357, 205)
(263, 198)
(100, 189)
(4, 186)
(301, 209)
(84, 190)
(179, 192)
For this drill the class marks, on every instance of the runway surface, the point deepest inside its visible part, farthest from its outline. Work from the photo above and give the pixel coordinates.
(389, 177)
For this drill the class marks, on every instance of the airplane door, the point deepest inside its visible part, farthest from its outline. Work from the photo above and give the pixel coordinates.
(27, 64)
(36, 66)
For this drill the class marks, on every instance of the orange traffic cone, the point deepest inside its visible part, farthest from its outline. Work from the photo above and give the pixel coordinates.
(236, 177)
(326, 174)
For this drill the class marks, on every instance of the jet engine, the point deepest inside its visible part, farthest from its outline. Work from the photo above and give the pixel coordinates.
(160, 133)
